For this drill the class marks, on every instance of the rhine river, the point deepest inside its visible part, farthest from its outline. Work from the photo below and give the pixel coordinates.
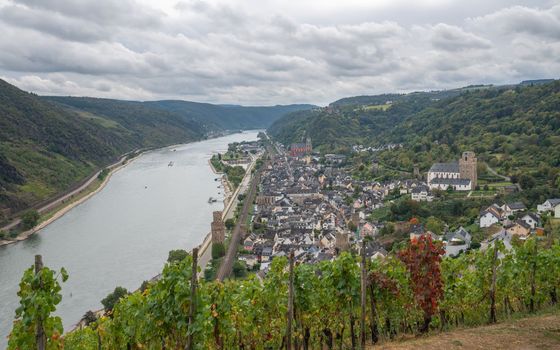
(122, 235)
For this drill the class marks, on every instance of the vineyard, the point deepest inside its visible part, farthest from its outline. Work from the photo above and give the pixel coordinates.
(334, 304)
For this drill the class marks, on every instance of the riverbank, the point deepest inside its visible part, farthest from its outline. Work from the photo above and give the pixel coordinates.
(82, 194)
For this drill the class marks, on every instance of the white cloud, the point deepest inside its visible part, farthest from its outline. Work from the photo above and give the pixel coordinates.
(263, 52)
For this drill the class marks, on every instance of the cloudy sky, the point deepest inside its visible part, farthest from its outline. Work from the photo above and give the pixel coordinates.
(263, 52)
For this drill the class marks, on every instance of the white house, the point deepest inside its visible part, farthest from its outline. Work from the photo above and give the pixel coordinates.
(549, 205)
(421, 193)
(457, 242)
(531, 220)
(490, 216)
(512, 208)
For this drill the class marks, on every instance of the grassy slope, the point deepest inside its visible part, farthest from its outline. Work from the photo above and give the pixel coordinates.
(537, 332)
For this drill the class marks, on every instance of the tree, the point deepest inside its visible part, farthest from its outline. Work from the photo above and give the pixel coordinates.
(30, 219)
(239, 269)
(89, 317)
(218, 250)
(112, 299)
(352, 226)
(230, 223)
(526, 181)
(177, 255)
(435, 225)
(422, 259)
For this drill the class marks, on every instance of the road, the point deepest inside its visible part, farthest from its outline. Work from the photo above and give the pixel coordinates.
(227, 264)
(506, 178)
(56, 202)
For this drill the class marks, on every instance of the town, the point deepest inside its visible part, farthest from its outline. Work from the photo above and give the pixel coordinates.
(310, 204)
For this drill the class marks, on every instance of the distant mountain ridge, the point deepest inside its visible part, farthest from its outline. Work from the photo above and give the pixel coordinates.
(210, 117)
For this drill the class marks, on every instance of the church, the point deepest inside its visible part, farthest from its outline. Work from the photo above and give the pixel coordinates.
(301, 149)
(460, 176)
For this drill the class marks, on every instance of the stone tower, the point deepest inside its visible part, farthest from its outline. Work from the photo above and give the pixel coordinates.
(218, 228)
(308, 147)
(467, 168)
(342, 241)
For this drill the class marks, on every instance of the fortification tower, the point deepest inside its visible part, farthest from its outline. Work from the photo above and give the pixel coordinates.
(467, 168)
(218, 228)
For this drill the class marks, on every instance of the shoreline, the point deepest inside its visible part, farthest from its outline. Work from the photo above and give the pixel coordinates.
(65, 209)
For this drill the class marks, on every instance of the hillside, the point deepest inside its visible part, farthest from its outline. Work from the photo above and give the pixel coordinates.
(45, 147)
(341, 125)
(537, 332)
(228, 117)
(513, 129)
(211, 117)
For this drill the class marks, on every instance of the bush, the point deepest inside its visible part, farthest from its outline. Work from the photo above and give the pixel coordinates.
(177, 255)
(239, 269)
(89, 317)
(230, 223)
(3, 234)
(113, 298)
(218, 250)
(144, 286)
(30, 219)
(103, 174)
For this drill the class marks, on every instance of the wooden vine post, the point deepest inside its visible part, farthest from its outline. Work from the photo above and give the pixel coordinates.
(363, 298)
(290, 303)
(493, 285)
(192, 308)
(533, 276)
(40, 338)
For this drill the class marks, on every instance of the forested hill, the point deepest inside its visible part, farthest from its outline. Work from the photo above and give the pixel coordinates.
(500, 123)
(45, 147)
(514, 129)
(229, 117)
(211, 117)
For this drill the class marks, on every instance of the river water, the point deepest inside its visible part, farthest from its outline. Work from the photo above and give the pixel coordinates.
(122, 235)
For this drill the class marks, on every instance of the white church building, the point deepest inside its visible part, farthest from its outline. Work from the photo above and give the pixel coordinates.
(460, 176)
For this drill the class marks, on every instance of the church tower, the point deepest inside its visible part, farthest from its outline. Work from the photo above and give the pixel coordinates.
(468, 168)
(308, 148)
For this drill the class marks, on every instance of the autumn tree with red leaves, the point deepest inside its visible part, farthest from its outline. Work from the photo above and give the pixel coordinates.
(422, 259)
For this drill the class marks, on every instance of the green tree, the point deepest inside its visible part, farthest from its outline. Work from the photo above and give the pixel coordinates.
(230, 223)
(218, 250)
(113, 298)
(435, 225)
(239, 269)
(177, 255)
(30, 219)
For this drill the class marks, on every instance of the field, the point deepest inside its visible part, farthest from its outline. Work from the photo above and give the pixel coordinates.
(538, 332)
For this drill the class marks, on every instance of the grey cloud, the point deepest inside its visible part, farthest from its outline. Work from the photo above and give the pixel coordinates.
(453, 38)
(106, 12)
(218, 53)
(518, 19)
(54, 24)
